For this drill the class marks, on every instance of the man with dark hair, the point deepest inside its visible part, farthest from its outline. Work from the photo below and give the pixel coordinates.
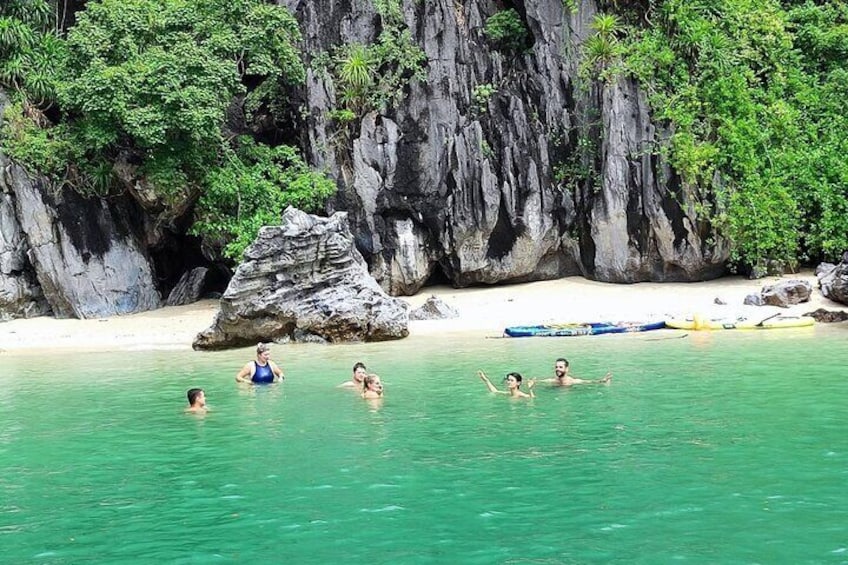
(196, 400)
(358, 379)
(562, 378)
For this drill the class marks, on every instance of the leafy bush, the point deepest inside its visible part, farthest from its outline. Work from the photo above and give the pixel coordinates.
(482, 93)
(31, 55)
(506, 30)
(251, 189)
(755, 94)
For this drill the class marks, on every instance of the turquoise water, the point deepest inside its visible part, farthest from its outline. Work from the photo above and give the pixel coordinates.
(712, 448)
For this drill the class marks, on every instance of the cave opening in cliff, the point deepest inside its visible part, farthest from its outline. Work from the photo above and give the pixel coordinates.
(178, 255)
(437, 277)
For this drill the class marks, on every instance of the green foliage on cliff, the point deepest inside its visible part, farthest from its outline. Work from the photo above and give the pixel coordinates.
(31, 54)
(148, 83)
(603, 47)
(506, 30)
(373, 76)
(252, 188)
(755, 94)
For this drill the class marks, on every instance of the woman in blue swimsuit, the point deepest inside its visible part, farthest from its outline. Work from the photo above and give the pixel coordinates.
(262, 370)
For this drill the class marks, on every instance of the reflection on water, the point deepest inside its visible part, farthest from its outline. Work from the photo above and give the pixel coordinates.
(712, 448)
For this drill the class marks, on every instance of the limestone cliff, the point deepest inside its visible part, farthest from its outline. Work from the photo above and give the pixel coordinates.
(552, 173)
(62, 253)
(438, 185)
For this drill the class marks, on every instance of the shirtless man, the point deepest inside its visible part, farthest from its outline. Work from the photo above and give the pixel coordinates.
(196, 400)
(562, 377)
(358, 379)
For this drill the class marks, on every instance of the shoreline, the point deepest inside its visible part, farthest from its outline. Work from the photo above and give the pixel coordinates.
(483, 311)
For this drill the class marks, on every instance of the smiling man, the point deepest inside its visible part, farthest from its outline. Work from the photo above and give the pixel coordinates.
(562, 378)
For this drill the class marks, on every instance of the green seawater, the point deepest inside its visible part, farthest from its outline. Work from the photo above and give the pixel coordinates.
(723, 447)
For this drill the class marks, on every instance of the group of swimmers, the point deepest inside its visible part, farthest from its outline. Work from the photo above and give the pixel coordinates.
(560, 378)
(262, 370)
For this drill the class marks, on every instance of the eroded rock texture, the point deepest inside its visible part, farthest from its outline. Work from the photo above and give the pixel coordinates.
(72, 256)
(833, 280)
(548, 177)
(300, 278)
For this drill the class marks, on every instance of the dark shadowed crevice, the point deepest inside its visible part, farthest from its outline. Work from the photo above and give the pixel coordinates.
(437, 277)
(93, 224)
(671, 208)
(503, 236)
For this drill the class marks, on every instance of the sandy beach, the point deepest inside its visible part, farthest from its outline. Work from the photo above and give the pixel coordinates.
(483, 311)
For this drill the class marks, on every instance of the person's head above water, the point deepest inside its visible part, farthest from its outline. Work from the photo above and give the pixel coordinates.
(561, 367)
(196, 397)
(513, 380)
(359, 372)
(372, 382)
(263, 350)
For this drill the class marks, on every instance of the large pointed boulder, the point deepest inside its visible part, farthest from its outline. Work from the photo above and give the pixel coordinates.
(304, 277)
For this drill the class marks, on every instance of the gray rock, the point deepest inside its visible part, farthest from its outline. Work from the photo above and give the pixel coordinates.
(304, 277)
(828, 316)
(20, 293)
(433, 309)
(786, 293)
(189, 288)
(823, 269)
(86, 258)
(834, 283)
(753, 300)
(719, 301)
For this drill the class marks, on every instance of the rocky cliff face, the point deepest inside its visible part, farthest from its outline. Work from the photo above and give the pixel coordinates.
(75, 257)
(442, 186)
(20, 294)
(550, 174)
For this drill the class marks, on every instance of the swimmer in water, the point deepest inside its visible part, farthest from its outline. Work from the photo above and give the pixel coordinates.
(513, 385)
(262, 370)
(372, 387)
(196, 400)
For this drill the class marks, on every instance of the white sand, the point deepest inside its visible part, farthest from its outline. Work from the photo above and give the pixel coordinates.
(486, 310)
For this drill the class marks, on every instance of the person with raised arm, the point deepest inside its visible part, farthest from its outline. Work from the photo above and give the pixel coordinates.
(513, 385)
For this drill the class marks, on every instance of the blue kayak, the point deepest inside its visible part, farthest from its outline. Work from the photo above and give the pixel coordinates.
(589, 328)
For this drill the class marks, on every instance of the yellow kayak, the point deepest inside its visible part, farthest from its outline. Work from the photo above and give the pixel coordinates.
(741, 323)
